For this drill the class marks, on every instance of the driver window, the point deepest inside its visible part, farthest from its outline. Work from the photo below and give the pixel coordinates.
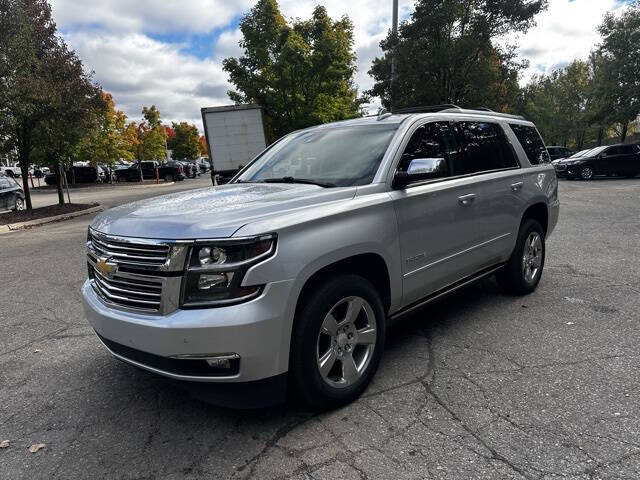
(431, 140)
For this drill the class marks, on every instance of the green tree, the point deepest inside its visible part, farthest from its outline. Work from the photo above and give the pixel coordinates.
(41, 82)
(106, 142)
(152, 137)
(301, 73)
(620, 63)
(447, 53)
(185, 144)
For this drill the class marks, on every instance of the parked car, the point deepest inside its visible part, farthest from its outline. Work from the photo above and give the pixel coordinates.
(75, 173)
(288, 275)
(556, 152)
(170, 172)
(11, 194)
(11, 171)
(621, 160)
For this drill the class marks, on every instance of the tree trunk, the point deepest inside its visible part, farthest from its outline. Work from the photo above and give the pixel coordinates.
(23, 156)
(59, 173)
(600, 136)
(623, 135)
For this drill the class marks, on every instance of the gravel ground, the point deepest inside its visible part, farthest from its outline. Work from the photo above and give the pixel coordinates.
(480, 386)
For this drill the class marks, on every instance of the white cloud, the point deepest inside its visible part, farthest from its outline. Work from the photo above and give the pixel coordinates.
(141, 71)
(566, 31)
(195, 16)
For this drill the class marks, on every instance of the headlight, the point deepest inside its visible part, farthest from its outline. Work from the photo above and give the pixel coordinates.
(215, 270)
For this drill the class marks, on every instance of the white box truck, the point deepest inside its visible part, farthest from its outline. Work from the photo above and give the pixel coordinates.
(235, 134)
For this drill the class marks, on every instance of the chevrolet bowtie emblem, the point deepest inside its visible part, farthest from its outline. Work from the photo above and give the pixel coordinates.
(105, 267)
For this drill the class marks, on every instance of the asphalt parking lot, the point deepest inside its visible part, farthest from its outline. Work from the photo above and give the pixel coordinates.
(480, 386)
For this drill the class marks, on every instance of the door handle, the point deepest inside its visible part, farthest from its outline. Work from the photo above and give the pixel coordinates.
(467, 199)
(517, 186)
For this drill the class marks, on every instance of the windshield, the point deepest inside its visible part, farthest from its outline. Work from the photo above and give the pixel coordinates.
(338, 156)
(595, 151)
(579, 154)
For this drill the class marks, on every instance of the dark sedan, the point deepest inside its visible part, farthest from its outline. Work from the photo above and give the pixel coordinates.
(619, 160)
(11, 194)
(556, 152)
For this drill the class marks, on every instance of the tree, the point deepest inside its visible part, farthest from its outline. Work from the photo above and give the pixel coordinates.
(301, 73)
(152, 136)
(107, 142)
(185, 143)
(41, 82)
(447, 53)
(620, 63)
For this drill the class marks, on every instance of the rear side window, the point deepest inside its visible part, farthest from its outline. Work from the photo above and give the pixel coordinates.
(628, 149)
(486, 148)
(532, 144)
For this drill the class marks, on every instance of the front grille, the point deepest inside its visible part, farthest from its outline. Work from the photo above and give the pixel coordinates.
(136, 293)
(127, 253)
(560, 167)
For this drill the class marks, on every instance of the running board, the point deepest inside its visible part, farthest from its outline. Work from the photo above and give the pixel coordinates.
(439, 294)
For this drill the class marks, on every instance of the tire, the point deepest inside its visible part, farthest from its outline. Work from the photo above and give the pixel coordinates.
(586, 173)
(20, 205)
(523, 271)
(317, 335)
(10, 174)
(168, 177)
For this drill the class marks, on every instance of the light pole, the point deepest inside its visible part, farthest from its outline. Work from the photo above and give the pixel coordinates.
(394, 34)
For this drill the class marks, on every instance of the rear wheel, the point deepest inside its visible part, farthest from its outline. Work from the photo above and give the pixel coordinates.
(10, 174)
(586, 173)
(168, 177)
(523, 271)
(337, 341)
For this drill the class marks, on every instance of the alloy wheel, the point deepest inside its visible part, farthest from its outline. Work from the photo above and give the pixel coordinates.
(532, 257)
(346, 342)
(20, 204)
(586, 173)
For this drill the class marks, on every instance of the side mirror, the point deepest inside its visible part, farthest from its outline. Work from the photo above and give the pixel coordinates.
(421, 169)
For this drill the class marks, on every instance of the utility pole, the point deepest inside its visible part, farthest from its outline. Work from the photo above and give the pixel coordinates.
(394, 33)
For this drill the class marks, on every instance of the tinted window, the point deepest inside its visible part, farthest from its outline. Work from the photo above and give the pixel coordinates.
(486, 148)
(532, 144)
(628, 149)
(432, 140)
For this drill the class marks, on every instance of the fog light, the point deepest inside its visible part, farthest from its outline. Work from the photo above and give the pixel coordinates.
(214, 280)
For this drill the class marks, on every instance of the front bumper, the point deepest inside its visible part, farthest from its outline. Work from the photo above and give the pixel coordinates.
(258, 331)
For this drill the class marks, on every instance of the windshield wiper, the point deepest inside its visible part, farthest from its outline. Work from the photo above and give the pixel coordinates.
(298, 180)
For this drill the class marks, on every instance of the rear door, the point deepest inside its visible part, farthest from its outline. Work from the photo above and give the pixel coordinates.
(498, 185)
(629, 159)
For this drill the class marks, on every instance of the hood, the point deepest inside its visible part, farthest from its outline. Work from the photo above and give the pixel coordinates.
(213, 212)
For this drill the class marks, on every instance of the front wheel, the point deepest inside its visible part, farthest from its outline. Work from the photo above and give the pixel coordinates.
(586, 173)
(19, 204)
(523, 271)
(337, 341)
(168, 178)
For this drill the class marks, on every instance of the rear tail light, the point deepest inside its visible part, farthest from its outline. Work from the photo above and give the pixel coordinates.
(179, 169)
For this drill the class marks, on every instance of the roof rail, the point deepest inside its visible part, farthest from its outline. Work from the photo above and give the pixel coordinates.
(485, 111)
(426, 108)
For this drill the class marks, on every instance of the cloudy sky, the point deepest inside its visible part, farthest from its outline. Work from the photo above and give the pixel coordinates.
(169, 53)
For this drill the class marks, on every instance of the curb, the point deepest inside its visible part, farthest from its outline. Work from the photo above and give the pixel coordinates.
(42, 221)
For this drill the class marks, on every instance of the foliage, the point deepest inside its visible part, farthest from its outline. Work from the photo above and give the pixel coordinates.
(107, 142)
(45, 95)
(586, 100)
(446, 53)
(620, 62)
(301, 73)
(185, 143)
(151, 136)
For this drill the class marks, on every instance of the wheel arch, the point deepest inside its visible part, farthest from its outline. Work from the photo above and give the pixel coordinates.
(540, 212)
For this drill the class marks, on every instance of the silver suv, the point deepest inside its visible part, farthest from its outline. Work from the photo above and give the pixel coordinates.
(285, 278)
